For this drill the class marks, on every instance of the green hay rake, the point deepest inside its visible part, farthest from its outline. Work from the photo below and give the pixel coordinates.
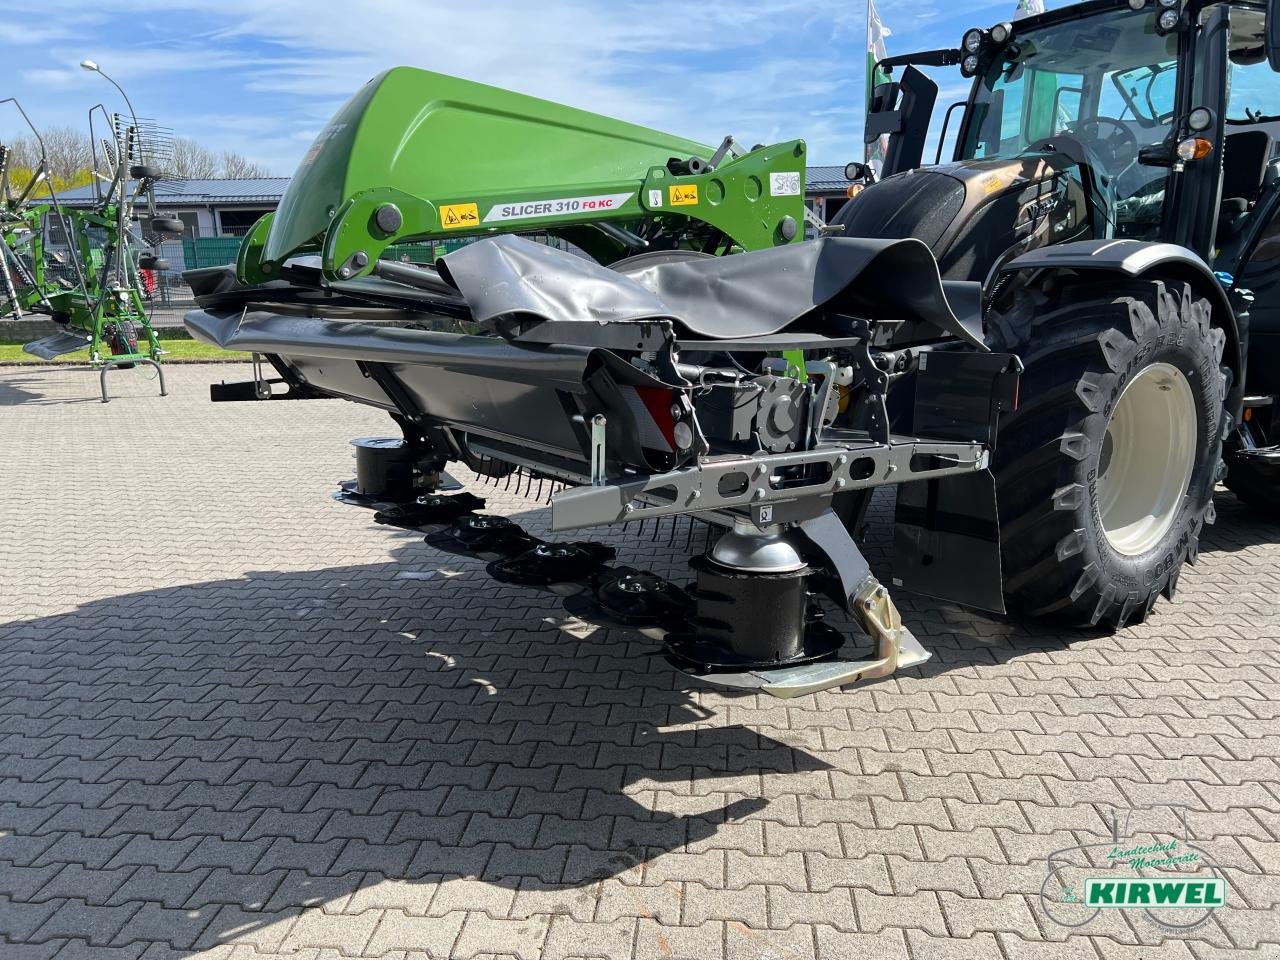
(82, 267)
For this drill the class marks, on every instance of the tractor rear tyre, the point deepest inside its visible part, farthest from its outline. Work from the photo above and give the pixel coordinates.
(1105, 473)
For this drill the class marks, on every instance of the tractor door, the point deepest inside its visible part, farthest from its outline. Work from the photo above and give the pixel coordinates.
(1194, 196)
(1248, 230)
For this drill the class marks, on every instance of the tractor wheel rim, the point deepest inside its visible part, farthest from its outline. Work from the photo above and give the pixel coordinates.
(1147, 459)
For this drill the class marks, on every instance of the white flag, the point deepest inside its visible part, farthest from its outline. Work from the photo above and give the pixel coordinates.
(1028, 8)
(876, 52)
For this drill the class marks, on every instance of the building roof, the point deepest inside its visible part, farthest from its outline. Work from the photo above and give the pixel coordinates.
(822, 179)
(266, 190)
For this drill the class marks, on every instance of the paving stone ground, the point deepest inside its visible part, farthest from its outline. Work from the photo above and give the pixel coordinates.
(240, 720)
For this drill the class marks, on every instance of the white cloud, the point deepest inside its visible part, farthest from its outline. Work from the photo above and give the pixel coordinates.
(769, 69)
(656, 66)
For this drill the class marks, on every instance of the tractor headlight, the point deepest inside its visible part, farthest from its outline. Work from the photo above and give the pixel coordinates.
(1001, 32)
(969, 65)
(1168, 20)
(1199, 119)
(972, 41)
(1168, 4)
(1137, 4)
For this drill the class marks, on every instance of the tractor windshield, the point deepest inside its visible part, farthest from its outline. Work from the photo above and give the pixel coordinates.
(1106, 82)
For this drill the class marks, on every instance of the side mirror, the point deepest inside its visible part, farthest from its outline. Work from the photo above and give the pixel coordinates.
(901, 112)
(1272, 32)
(884, 97)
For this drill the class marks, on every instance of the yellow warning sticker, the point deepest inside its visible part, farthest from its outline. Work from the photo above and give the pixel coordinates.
(455, 215)
(685, 196)
(992, 183)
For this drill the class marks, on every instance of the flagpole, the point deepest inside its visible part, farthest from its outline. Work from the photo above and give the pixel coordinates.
(866, 86)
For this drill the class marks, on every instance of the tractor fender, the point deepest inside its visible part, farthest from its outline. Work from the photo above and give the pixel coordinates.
(1153, 261)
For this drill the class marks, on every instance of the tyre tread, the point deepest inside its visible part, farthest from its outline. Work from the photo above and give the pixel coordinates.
(1072, 346)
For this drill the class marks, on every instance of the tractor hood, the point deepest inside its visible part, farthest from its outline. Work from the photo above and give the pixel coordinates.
(974, 214)
(413, 133)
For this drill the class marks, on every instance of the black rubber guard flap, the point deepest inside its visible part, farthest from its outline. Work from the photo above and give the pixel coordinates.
(721, 298)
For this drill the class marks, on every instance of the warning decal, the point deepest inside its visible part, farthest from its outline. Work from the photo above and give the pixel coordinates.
(684, 196)
(785, 184)
(555, 207)
(456, 215)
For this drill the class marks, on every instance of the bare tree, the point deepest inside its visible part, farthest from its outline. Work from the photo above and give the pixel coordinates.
(69, 153)
(24, 154)
(192, 161)
(237, 165)
(66, 149)
(70, 158)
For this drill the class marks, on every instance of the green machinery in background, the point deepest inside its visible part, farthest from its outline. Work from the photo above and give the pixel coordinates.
(386, 171)
(82, 267)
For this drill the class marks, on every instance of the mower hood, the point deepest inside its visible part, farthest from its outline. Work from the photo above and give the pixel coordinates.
(428, 137)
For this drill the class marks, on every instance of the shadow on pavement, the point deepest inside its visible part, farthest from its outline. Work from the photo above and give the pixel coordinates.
(14, 384)
(13, 389)
(230, 752)
(1238, 527)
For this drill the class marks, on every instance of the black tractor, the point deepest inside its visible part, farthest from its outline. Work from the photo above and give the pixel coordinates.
(1114, 185)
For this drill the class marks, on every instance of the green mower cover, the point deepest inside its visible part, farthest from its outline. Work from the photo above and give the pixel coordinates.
(416, 155)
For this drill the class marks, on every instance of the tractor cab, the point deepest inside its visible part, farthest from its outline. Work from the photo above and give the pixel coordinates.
(1151, 120)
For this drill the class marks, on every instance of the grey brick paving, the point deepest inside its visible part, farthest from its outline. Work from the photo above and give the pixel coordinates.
(238, 720)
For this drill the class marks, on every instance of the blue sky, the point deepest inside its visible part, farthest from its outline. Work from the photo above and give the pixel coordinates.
(262, 78)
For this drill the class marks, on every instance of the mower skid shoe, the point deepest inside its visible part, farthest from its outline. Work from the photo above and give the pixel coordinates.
(896, 648)
(348, 492)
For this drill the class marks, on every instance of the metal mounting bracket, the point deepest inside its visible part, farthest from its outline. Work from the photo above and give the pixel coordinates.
(598, 452)
(749, 482)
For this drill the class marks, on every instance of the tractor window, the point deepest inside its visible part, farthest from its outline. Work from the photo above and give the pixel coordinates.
(1005, 122)
(1143, 94)
(1067, 103)
(1024, 106)
(1252, 92)
(1253, 95)
(1101, 87)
